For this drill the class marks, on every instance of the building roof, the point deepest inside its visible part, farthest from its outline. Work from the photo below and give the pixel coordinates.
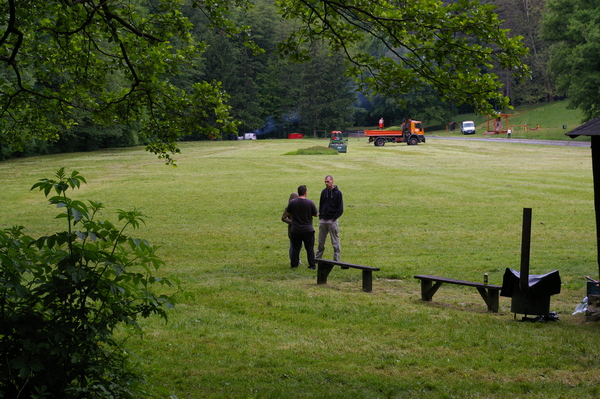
(591, 128)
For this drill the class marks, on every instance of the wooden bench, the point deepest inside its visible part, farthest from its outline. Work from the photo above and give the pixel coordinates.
(489, 292)
(324, 266)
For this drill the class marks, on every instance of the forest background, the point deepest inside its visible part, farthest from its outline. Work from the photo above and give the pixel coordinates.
(272, 96)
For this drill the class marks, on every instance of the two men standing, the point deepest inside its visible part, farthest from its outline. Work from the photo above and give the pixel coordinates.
(302, 210)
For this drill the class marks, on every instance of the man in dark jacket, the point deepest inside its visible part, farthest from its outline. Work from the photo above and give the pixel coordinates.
(302, 210)
(331, 207)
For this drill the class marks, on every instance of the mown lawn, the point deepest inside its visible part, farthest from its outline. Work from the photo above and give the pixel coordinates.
(554, 120)
(255, 328)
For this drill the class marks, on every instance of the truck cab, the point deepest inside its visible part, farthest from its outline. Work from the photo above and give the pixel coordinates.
(412, 127)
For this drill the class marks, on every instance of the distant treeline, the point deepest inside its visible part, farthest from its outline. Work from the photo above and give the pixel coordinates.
(273, 97)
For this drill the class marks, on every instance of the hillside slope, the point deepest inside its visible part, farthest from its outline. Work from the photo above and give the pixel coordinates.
(554, 120)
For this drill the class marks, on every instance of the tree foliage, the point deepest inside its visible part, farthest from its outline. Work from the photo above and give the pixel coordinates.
(63, 295)
(523, 17)
(573, 28)
(447, 46)
(325, 94)
(110, 58)
(119, 62)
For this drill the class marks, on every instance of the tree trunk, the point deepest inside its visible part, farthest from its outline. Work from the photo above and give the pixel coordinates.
(596, 178)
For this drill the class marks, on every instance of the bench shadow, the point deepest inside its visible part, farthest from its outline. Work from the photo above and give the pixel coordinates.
(463, 307)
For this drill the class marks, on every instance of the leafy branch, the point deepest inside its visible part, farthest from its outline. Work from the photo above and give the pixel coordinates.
(62, 296)
(451, 47)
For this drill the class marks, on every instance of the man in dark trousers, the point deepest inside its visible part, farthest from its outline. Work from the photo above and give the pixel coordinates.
(331, 207)
(302, 210)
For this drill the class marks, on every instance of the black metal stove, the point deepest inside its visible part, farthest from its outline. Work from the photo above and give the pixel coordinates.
(530, 293)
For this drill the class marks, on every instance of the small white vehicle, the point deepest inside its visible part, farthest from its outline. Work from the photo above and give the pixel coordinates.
(247, 136)
(467, 127)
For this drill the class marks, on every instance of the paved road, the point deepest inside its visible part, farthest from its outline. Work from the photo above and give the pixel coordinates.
(569, 142)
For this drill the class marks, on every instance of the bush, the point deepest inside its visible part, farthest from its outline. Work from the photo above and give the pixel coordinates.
(62, 296)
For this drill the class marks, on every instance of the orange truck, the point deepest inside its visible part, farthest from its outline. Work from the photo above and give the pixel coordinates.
(412, 133)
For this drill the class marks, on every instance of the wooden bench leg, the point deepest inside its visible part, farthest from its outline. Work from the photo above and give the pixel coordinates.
(322, 272)
(494, 304)
(367, 276)
(491, 298)
(428, 289)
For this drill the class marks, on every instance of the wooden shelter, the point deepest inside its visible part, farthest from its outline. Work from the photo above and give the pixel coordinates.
(592, 129)
(495, 125)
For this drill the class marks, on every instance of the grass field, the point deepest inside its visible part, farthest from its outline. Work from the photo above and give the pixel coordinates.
(256, 329)
(553, 118)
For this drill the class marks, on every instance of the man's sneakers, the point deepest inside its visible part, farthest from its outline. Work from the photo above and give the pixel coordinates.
(312, 267)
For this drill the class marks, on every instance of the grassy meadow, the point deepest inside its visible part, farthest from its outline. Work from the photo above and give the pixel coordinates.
(554, 119)
(253, 328)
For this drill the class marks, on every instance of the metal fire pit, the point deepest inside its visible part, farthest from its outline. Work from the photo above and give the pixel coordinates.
(535, 299)
(530, 293)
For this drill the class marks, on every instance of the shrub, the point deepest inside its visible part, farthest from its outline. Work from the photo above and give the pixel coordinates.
(62, 296)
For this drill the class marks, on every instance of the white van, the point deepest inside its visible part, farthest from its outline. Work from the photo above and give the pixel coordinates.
(467, 127)
(248, 136)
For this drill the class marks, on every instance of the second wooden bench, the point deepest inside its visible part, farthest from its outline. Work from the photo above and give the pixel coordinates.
(489, 292)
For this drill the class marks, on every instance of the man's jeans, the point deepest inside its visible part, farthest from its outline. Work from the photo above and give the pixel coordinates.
(329, 227)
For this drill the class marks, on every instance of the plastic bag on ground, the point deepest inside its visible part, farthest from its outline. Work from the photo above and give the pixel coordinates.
(582, 307)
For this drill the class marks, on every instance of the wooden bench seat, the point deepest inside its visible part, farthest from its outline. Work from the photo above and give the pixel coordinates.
(489, 292)
(324, 266)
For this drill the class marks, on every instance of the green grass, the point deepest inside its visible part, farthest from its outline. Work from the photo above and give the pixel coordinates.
(255, 328)
(551, 117)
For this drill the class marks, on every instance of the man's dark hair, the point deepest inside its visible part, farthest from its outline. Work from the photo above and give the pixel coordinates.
(302, 190)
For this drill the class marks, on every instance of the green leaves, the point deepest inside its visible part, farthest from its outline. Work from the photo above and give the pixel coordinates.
(447, 46)
(114, 62)
(62, 184)
(63, 295)
(110, 60)
(573, 28)
(133, 218)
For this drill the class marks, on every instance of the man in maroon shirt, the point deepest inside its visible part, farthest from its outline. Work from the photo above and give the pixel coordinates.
(302, 211)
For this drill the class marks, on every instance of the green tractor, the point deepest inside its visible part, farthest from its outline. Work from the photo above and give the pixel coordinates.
(337, 142)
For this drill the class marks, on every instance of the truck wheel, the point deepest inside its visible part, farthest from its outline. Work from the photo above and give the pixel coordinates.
(380, 142)
(413, 140)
